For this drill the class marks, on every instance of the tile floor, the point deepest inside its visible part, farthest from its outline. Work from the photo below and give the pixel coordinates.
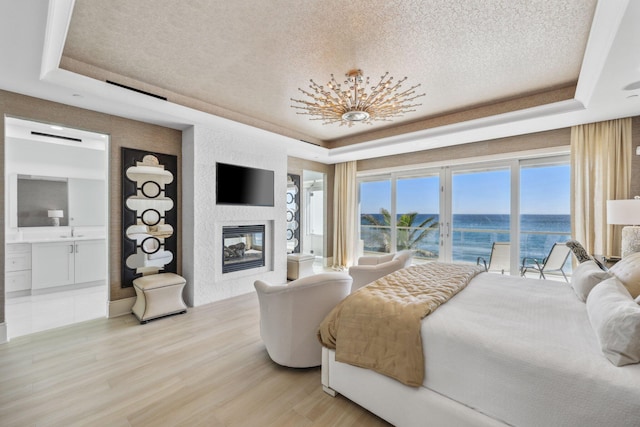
(35, 313)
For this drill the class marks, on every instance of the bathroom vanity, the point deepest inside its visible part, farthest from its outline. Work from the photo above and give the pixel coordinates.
(49, 262)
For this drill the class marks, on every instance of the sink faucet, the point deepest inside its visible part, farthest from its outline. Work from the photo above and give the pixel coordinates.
(72, 232)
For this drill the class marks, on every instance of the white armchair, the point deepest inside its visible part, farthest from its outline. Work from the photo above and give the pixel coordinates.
(371, 268)
(290, 316)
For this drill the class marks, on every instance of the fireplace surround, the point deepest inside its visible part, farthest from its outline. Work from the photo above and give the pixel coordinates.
(243, 247)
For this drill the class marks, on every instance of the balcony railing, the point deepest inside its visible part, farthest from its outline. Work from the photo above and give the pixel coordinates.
(468, 243)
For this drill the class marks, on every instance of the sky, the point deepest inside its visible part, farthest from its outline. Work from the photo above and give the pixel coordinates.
(544, 190)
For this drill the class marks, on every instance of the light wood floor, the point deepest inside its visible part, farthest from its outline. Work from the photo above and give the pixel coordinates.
(205, 368)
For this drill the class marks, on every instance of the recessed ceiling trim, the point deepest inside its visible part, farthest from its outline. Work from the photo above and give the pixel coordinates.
(463, 127)
(608, 15)
(487, 111)
(59, 15)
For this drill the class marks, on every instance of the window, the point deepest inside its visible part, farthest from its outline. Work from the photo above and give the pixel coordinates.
(544, 207)
(417, 207)
(481, 212)
(457, 213)
(375, 216)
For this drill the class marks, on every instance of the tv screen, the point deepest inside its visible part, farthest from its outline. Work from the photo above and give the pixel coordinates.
(239, 185)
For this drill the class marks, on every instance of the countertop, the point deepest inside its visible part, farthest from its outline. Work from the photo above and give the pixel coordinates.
(47, 239)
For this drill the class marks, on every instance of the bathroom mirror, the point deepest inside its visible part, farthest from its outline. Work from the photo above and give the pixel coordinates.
(75, 201)
(149, 214)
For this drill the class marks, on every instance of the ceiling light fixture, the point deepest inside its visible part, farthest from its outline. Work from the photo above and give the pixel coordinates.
(354, 104)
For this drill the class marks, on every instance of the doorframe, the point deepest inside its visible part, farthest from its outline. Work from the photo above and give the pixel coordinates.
(4, 332)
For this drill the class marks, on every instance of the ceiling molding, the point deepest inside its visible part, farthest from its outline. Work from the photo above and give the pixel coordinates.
(605, 26)
(466, 115)
(59, 14)
(49, 81)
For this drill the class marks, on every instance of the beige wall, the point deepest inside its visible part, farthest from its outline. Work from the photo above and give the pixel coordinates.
(123, 133)
(554, 138)
(295, 166)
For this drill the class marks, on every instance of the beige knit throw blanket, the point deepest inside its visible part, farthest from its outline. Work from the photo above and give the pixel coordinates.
(378, 326)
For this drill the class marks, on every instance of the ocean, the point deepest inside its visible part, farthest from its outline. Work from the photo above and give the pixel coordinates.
(473, 235)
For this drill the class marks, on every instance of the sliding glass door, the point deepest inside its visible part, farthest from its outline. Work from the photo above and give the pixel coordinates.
(545, 208)
(481, 211)
(417, 217)
(375, 216)
(457, 213)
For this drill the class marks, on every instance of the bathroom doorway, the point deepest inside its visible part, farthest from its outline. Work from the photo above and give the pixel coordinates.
(56, 216)
(314, 212)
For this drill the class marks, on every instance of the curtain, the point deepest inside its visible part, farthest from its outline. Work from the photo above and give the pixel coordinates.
(345, 211)
(601, 155)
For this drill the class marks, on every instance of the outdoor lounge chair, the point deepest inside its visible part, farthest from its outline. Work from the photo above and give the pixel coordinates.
(553, 263)
(500, 258)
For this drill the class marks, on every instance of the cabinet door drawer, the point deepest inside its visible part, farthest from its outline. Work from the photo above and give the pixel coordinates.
(17, 281)
(19, 248)
(18, 261)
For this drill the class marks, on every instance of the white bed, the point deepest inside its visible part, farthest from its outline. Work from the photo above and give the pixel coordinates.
(504, 351)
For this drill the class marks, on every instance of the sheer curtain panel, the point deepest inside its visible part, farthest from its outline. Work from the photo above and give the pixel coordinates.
(601, 155)
(345, 213)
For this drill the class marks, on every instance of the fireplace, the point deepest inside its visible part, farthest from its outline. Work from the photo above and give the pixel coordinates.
(242, 247)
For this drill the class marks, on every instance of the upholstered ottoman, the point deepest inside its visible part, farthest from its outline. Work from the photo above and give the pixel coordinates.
(299, 265)
(158, 295)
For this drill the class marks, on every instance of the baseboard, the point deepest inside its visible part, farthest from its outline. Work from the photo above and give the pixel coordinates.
(121, 307)
(3, 333)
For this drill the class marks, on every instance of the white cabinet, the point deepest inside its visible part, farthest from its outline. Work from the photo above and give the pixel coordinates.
(17, 275)
(68, 262)
(91, 261)
(53, 264)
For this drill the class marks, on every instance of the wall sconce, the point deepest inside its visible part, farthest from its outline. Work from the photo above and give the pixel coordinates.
(626, 212)
(55, 215)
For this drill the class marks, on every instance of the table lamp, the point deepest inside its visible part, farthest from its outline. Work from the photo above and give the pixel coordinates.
(55, 215)
(626, 212)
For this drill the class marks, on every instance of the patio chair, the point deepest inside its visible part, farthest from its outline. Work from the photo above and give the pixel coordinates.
(553, 263)
(500, 258)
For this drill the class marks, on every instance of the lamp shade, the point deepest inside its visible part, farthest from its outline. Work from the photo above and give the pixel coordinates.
(55, 213)
(623, 212)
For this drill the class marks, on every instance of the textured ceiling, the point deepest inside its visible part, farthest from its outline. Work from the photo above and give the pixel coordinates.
(245, 59)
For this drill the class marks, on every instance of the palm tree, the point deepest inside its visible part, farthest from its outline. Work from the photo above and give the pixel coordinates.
(408, 235)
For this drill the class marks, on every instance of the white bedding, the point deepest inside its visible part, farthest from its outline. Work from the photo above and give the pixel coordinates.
(523, 352)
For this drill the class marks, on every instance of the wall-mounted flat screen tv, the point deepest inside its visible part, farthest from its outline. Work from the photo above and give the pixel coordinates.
(240, 185)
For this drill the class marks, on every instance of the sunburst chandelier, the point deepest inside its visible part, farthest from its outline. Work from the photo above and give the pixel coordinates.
(353, 104)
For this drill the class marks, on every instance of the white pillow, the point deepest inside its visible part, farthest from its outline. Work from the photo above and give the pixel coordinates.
(627, 270)
(615, 318)
(585, 277)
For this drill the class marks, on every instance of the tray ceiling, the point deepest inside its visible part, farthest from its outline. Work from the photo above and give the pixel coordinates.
(244, 60)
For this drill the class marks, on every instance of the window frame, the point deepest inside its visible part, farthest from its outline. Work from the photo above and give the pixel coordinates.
(514, 162)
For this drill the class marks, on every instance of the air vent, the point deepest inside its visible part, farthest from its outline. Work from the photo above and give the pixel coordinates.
(312, 143)
(137, 90)
(49, 135)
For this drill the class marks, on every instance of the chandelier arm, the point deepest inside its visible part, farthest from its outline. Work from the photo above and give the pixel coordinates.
(333, 104)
